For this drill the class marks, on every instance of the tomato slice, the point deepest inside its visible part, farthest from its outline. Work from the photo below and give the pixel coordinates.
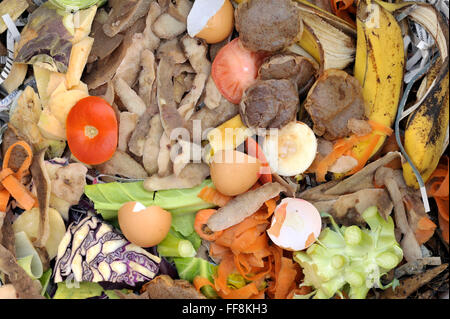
(92, 130)
(253, 149)
(234, 69)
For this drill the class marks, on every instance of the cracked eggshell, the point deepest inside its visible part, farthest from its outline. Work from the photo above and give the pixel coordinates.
(300, 227)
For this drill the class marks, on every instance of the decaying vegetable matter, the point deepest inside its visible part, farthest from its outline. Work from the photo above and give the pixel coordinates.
(233, 149)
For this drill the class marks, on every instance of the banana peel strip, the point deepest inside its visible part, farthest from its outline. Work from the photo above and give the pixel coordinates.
(423, 190)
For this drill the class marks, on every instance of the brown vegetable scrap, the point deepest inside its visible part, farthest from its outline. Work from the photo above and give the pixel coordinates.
(164, 287)
(268, 25)
(333, 100)
(43, 189)
(410, 285)
(242, 206)
(25, 287)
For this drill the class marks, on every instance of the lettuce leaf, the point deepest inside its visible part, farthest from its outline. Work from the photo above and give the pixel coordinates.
(189, 268)
(109, 197)
(82, 290)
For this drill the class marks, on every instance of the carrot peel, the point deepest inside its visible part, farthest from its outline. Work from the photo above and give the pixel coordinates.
(10, 180)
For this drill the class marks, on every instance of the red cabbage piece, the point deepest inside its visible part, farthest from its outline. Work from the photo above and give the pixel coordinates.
(93, 251)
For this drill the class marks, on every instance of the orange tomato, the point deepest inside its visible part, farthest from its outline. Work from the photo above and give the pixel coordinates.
(92, 130)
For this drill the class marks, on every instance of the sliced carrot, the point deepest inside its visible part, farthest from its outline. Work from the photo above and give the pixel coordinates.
(439, 189)
(200, 282)
(213, 196)
(226, 268)
(245, 240)
(4, 199)
(218, 251)
(245, 292)
(259, 245)
(381, 128)
(201, 218)
(366, 156)
(285, 278)
(280, 216)
(342, 9)
(11, 181)
(425, 230)
(311, 239)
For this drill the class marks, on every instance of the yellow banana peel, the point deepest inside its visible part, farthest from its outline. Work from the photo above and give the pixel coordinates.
(426, 130)
(379, 67)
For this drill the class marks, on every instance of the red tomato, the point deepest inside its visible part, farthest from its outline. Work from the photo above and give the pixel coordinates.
(253, 149)
(92, 130)
(234, 69)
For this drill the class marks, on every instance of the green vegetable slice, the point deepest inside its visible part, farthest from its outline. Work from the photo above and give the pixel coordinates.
(75, 5)
(109, 197)
(82, 290)
(189, 268)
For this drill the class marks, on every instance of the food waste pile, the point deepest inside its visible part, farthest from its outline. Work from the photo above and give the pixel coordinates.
(224, 149)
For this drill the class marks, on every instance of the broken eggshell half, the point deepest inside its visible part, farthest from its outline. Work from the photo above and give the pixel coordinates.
(296, 224)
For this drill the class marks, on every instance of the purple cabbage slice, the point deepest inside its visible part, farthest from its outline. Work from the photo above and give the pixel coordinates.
(93, 251)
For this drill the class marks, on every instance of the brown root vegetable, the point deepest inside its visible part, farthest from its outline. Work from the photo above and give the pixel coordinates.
(164, 161)
(417, 266)
(129, 97)
(139, 135)
(268, 25)
(359, 127)
(170, 117)
(411, 248)
(147, 76)
(128, 122)
(362, 179)
(269, 104)
(300, 69)
(151, 40)
(164, 287)
(8, 292)
(151, 146)
(410, 285)
(195, 50)
(191, 176)
(124, 14)
(68, 181)
(343, 164)
(333, 100)
(130, 66)
(242, 206)
(103, 45)
(105, 69)
(124, 165)
(208, 119)
(42, 183)
(168, 27)
(171, 49)
(7, 238)
(179, 9)
(212, 94)
(348, 209)
(18, 154)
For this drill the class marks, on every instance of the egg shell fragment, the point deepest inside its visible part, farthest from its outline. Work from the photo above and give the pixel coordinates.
(211, 20)
(301, 226)
(144, 226)
(233, 173)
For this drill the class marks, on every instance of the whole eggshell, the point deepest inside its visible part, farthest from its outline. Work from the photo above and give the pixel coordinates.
(234, 172)
(144, 226)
